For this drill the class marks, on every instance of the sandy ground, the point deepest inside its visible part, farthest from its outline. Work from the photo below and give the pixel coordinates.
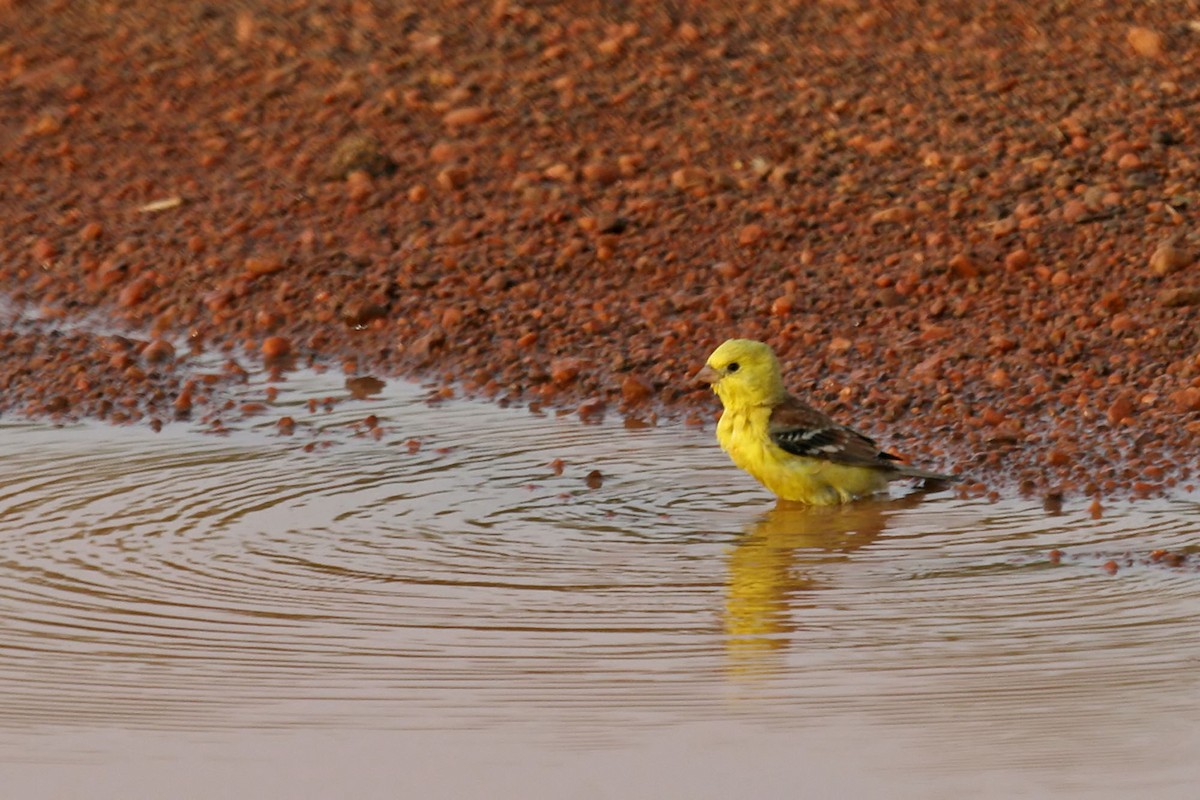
(966, 227)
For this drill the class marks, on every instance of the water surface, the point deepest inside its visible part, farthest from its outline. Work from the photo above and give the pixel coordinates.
(434, 608)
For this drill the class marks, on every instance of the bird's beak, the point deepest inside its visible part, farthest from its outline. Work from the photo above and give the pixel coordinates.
(708, 375)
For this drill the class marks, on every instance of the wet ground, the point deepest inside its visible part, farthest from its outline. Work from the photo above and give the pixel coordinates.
(432, 604)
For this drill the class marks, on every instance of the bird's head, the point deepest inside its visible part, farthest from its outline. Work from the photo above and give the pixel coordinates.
(743, 372)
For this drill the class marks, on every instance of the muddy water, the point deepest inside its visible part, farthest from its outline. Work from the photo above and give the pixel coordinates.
(436, 610)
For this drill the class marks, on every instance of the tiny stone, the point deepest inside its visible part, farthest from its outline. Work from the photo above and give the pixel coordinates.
(1145, 42)
(1169, 257)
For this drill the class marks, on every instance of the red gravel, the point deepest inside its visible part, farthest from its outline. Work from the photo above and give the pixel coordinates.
(964, 226)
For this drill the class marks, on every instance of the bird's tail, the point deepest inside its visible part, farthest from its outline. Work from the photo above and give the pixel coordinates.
(905, 471)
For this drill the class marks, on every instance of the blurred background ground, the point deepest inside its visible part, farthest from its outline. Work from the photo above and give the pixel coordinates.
(966, 227)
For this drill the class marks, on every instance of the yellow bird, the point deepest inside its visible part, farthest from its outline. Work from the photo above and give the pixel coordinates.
(793, 449)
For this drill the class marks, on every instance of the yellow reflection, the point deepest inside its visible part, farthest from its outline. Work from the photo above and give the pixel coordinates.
(771, 572)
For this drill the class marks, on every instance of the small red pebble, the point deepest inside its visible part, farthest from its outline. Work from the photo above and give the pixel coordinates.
(1122, 323)
(594, 479)
(1110, 567)
(557, 465)
(1017, 260)
(413, 445)
(183, 404)
(1073, 211)
(1169, 257)
(1055, 556)
(1146, 41)
(358, 187)
(782, 306)
(884, 146)
(1186, 399)
(158, 351)
(462, 117)
(286, 425)
(1121, 408)
(635, 389)
(1058, 458)
(1129, 161)
(276, 347)
(452, 178)
(1096, 510)
(1112, 302)
(750, 234)
(601, 172)
(999, 378)
(44, 250)
(839, 344)
(263, 265)
(991, 417)
(689, 178)
(134, 293)
(688, 32)
(591, 408)
(964, 266)
(565, 370)
(727, 270)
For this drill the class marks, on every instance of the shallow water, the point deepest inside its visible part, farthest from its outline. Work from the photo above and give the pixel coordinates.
(436, 610)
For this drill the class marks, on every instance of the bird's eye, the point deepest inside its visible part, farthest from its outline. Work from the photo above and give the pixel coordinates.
(733, 367)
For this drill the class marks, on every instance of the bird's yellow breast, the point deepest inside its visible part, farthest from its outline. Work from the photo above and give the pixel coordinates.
(744, 435)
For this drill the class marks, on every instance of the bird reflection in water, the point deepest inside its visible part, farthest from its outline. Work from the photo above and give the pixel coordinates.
(774, 569)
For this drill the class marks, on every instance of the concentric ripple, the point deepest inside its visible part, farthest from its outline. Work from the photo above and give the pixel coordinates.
(446, 575)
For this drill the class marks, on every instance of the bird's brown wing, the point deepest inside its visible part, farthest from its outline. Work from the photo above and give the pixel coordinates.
(802, 430)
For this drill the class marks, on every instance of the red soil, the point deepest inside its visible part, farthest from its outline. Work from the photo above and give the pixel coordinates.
(964, 226)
